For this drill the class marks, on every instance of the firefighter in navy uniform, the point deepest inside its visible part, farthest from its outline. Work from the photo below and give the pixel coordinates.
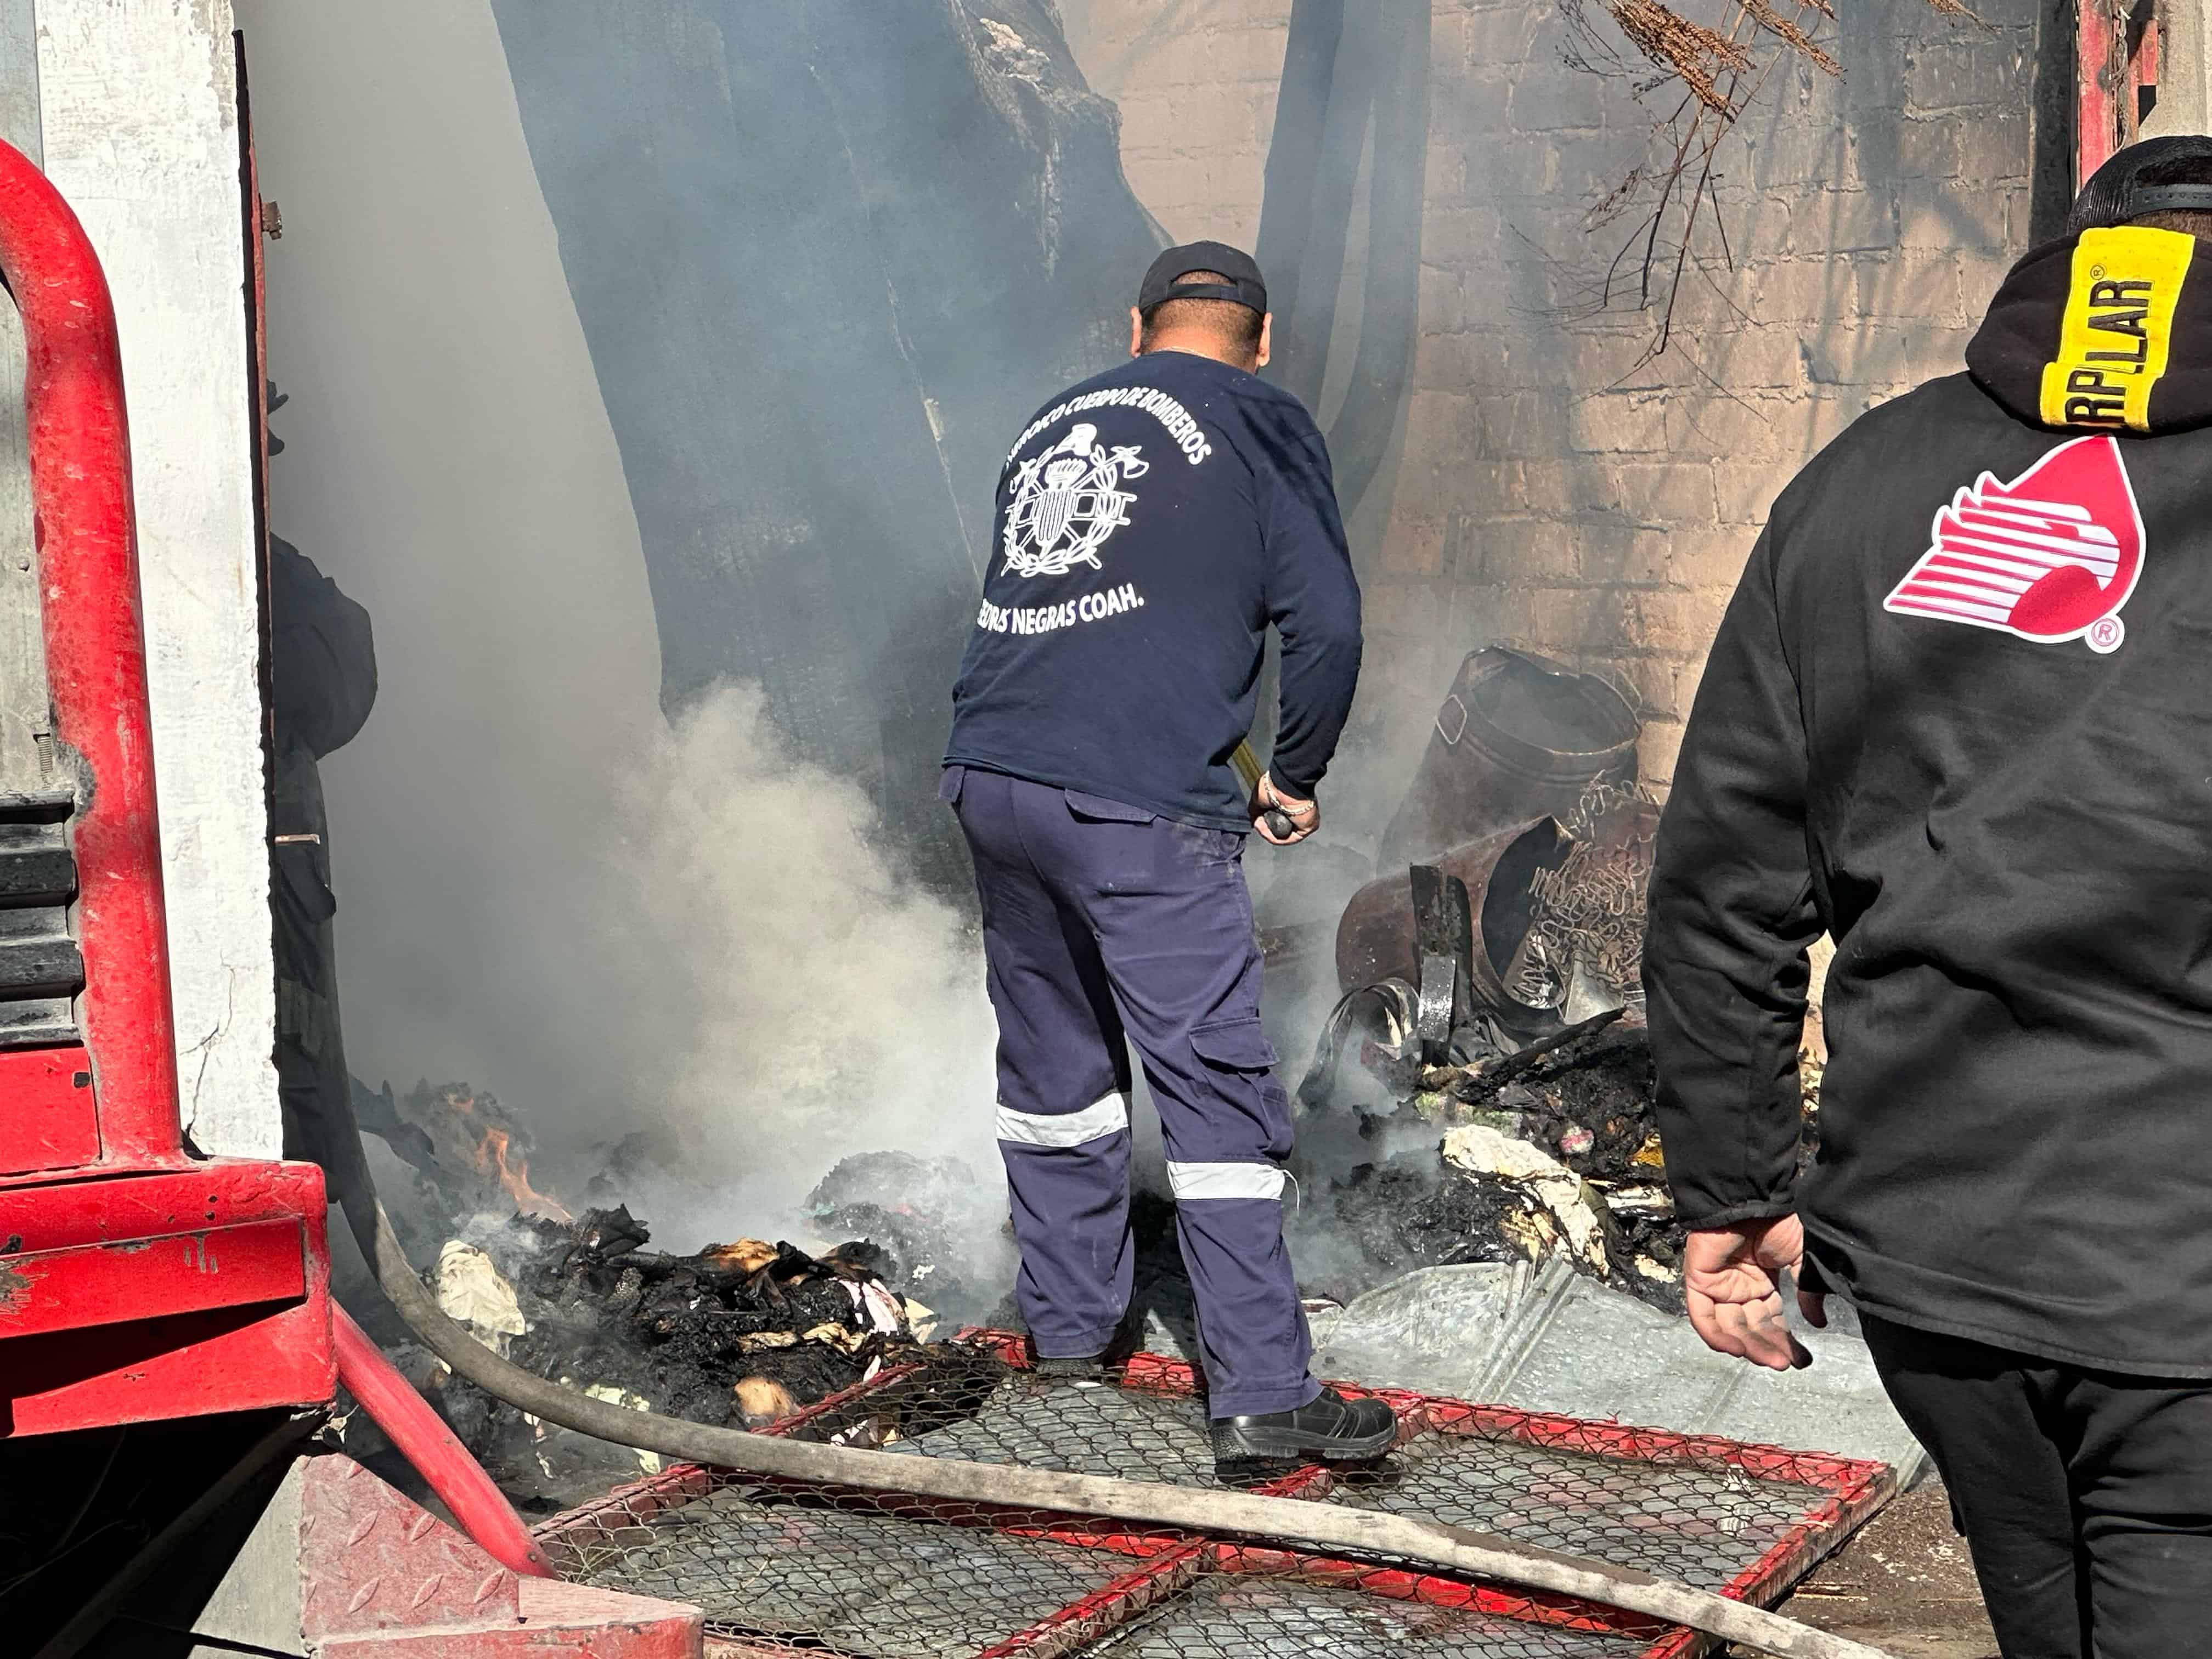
(1152, 522)
(1958, 716)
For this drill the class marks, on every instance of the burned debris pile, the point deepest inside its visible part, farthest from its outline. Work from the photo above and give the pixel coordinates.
(739, 1334)
(1516, 1156)
(1483, 1090)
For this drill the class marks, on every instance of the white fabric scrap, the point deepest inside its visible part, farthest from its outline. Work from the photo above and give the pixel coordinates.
(921, 1321)
(471, 1291)
(879, 1308)
(883, 1308)
(647, 1461)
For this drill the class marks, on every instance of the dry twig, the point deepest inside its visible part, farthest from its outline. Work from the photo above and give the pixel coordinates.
(1721, 66)
(1699, 56)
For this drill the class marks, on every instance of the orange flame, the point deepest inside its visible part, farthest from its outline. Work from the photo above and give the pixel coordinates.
(492, 1159)
(747, 1255)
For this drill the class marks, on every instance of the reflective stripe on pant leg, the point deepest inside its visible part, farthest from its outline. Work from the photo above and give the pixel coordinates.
(1060, 1047)
(1101, 1117)
(1068, 1176)
(1227, 1124)
(1229, 1219)
(1203, 1181)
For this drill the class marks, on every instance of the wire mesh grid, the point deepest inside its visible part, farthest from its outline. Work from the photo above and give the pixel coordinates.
(782, 1568)
(1244, 1617)
(875, 1581)
(1133, 1433)
(1703, 1525)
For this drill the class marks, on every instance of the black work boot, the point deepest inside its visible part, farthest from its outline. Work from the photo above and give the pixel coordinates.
(1085, 1367)
(1091, 1367)
(1329, 1429)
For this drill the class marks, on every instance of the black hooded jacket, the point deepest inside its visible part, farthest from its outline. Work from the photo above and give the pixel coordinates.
(1959, 714)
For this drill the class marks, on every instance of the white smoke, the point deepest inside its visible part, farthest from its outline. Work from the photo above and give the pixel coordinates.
(816, 1004)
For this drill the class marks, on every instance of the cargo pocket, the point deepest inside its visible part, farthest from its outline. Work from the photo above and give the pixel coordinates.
(1235, 1045)
(1097, 808)
(1240, 1061)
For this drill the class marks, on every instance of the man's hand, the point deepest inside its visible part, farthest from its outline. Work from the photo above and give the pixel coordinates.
(1304, 815)
(1732, 1278)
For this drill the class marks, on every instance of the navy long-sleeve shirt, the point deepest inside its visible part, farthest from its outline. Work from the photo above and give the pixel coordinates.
(1151, 522)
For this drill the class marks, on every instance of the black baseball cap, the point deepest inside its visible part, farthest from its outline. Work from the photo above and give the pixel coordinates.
(2159, 175)
(1245, 285)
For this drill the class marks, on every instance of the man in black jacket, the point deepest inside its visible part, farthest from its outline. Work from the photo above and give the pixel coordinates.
(1959, 716)
(322, 669)
(1152, 522)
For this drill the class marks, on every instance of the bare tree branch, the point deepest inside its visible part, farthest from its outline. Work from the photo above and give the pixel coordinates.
(1720, 65)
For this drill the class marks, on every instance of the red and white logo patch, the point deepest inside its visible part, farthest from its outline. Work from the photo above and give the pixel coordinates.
(2051, 556)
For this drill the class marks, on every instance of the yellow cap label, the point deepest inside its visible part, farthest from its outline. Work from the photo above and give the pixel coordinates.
(2118, 327)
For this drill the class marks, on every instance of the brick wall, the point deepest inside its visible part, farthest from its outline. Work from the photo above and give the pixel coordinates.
(1549, 486)
(1195, 81)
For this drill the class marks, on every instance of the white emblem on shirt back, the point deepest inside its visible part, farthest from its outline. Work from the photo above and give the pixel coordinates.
(1066, 501)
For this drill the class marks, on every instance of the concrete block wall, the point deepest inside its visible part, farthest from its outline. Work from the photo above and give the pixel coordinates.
(1554, 484)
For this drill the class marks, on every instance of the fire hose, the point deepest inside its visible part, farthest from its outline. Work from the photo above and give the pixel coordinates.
(1358, 1531)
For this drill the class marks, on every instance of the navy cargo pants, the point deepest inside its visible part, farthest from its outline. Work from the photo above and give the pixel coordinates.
(1103, 923)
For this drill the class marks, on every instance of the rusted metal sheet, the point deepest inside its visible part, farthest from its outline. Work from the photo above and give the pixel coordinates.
(1518, 735)
(1375, 940)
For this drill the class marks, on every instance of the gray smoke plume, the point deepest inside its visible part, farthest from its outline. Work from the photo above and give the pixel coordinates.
(615, 923)
(828, 258)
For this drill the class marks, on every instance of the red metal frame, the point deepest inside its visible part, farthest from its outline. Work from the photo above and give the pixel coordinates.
(136, 1282)
(2118, 48)
(133, 1350)
(50, 1122)
(478, 1507)
(79, 450)
(1843, 1493)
